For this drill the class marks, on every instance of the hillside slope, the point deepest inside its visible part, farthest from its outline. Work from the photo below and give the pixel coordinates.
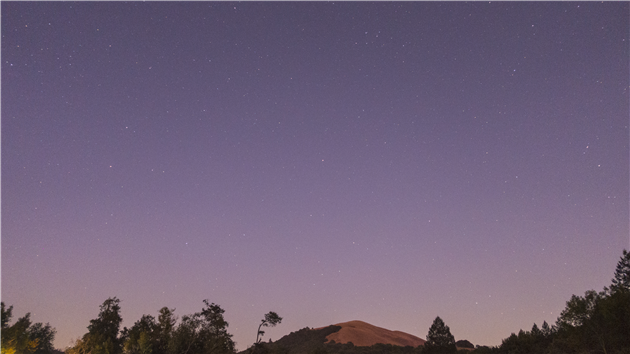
(363, 334)
(354, 337)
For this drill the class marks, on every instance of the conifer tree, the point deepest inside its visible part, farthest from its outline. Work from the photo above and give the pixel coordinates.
(439, 339)
(621, 281)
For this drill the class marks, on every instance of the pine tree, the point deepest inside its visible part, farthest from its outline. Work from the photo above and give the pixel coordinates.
(621, 281)
(439, 339)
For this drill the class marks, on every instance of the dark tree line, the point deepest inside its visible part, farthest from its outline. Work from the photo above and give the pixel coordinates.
(598, 322)
(203, 332)
(24, 337)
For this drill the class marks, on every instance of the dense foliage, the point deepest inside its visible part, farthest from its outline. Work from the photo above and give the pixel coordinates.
(598, 322)
(305, 340)
(464, 344)
(203, 332)
(23, 337)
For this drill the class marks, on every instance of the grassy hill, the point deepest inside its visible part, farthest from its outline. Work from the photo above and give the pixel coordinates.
(338, 339)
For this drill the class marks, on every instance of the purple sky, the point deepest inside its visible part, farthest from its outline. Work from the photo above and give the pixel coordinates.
(385, 162)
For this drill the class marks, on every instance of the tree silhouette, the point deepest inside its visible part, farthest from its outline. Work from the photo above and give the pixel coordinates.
(102, 336)
(271, 320)
(464, 344)
(621, 280)
(141, 337)
(23, 337)
(439, 339)
(203, 332)
(165, 327)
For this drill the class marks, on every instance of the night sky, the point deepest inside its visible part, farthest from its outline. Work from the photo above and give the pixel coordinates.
(383, 162)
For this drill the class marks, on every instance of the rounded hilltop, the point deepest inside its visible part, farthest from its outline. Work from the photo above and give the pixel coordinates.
(363, 334)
